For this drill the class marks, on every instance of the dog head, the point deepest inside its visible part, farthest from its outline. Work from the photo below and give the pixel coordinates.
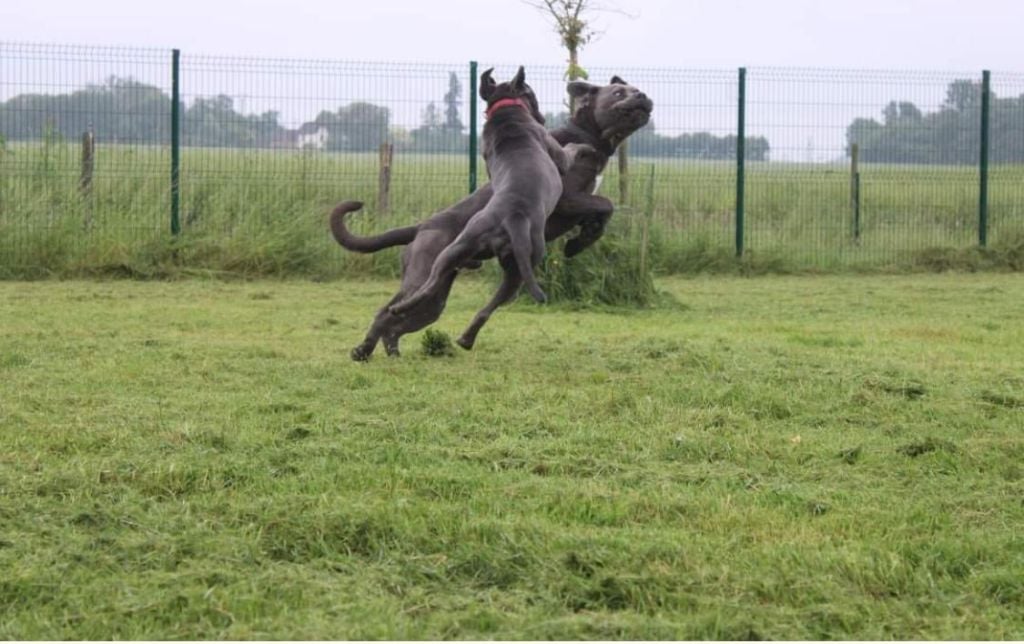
(515, 90)
(612, 111)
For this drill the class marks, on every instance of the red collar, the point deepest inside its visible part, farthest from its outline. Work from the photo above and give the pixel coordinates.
(505, 102)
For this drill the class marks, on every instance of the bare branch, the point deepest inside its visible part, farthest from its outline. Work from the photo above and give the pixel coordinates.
(573, 23)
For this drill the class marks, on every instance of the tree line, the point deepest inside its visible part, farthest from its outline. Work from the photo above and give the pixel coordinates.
(123, 110)
(950, 135)
(126, 111)
(696, 145)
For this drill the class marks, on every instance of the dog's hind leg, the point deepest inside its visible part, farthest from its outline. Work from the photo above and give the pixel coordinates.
(383, 326)
(389, 328)
(592, 226)
(362, 351)
(391, 345)
(442, 273)
(590, 231)
(524, 252)
(510, 283)
(590, 212)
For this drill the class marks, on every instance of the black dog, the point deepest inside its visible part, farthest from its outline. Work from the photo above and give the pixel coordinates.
(525, 165)
(603, 118)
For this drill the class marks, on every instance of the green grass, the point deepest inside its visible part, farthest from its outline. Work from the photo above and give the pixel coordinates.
(260, 212)
(779, 457)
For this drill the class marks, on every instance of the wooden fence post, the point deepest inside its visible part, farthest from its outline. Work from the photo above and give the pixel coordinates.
(85, 178)
(387, 152)
(88, 160)
(623, 172)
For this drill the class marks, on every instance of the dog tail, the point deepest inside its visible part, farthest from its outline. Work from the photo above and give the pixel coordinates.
(393, 237)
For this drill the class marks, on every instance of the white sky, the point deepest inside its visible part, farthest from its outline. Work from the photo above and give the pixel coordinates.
(803, 115)
(905, 34)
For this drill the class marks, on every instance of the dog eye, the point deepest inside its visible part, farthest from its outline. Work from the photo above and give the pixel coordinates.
(619, 93)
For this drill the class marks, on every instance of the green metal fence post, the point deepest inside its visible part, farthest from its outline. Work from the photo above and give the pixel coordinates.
(472, 126)
(175, 141)
(740, 153)
(983, 161)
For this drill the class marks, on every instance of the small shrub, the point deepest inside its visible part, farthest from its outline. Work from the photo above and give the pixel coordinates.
(609, 272)
(436, 343)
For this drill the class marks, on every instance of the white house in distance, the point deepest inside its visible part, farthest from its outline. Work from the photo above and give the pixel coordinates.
(311, 137)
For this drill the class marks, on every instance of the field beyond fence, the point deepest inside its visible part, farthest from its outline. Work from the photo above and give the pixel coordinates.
(842, 169)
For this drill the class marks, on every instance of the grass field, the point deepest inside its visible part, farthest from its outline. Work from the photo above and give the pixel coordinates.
(260, 212)
(779, 457)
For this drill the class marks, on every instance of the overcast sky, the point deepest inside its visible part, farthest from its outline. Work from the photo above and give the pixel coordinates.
(950, 35)
(803, 114)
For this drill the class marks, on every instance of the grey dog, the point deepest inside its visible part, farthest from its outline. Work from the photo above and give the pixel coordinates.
(604, 116)
(525, 165)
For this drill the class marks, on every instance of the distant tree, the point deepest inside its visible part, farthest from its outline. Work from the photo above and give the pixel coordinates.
(452, 100)
(436, 134)
(431, 117)
(267, 128)
(213, 122)
(901, 112)
(646, 142)
(356, 127)
(947, 136)
(962, 95)
(428, 137)
(368, 125)
(910, 113)
(1008, 125)
(118, 110)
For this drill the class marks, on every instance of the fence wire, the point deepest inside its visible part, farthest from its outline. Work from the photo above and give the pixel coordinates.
(1006, 181)
(51, 98)
(841, 167)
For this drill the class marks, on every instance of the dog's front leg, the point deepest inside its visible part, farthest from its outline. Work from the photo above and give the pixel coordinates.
(590, 212)
(558, 154)
(510, 283)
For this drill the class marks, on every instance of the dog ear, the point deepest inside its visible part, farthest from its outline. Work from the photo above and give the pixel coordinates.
(487, 84)
(519, 80)
(617, 81)
(577, 89)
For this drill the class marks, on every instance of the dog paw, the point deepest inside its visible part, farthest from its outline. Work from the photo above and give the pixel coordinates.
(360, 354)
(465, 343)
(577, 151)
(573, 247)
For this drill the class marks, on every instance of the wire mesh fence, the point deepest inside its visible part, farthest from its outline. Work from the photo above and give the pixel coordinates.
(55, 198)
(916, 183)
(839, 168)
(1006, 181)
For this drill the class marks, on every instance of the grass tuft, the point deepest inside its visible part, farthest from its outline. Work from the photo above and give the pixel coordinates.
(436, 343)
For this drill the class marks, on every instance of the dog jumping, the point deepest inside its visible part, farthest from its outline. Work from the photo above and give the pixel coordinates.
(525, 165)
(604, 116)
